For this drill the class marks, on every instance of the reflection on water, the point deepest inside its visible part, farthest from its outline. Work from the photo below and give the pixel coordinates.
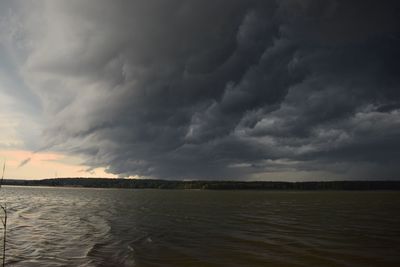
(111, 227)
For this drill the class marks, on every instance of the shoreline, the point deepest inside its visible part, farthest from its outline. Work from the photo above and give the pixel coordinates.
(356, 185)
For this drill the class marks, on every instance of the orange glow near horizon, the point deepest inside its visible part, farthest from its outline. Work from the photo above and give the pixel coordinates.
(23, 164)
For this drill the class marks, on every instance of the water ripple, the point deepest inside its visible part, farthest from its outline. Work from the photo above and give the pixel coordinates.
(95, 227)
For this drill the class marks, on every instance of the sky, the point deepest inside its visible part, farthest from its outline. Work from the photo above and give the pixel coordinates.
(283, 90)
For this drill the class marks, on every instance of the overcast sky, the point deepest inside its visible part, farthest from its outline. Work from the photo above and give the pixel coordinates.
(187, 89)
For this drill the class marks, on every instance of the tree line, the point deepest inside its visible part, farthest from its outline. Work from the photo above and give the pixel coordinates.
(206, 184)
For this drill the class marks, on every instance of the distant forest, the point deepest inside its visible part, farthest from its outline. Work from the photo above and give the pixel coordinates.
(212, 185)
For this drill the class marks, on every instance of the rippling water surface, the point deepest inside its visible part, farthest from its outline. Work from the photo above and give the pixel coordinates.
(117, 227)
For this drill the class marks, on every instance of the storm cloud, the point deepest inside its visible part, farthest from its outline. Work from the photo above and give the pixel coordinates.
(220, 89)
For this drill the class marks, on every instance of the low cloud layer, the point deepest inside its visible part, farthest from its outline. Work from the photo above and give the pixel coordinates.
(212, 89)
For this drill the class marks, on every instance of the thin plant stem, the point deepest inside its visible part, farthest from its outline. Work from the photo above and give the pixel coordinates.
(4, 221)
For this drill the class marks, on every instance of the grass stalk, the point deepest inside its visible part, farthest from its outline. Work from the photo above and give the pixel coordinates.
(4, 219)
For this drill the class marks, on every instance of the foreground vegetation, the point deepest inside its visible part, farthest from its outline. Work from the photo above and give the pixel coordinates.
(216, 185)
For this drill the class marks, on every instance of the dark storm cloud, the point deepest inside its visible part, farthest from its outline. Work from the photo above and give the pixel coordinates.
(222, 89)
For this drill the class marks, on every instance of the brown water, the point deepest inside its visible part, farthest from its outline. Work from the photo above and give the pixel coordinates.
(111, 227)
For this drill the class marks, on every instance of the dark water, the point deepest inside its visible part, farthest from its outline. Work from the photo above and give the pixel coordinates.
(107, 227)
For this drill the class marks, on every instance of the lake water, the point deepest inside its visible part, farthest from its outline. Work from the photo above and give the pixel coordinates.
(118, 227)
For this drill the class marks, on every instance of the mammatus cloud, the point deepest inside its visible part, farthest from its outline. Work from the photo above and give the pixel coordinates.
(214, 90)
